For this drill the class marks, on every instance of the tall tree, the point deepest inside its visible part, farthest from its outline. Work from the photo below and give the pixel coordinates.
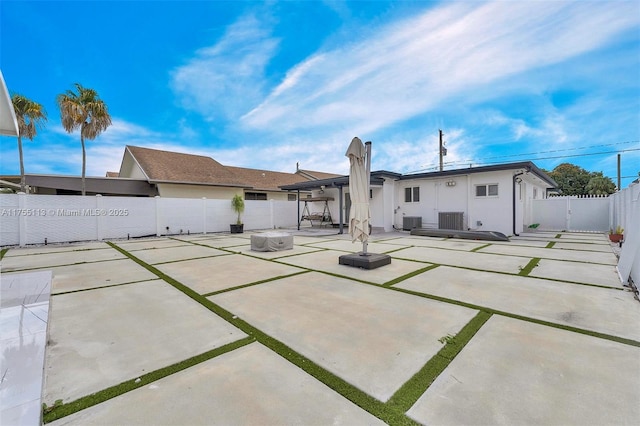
(31, 116)
(600, 185)
(85, 110)
(574, 180)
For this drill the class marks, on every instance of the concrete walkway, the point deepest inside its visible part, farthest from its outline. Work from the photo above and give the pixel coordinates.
(200, 329)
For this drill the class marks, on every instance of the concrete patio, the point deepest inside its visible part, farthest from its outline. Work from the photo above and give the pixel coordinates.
(199, 329)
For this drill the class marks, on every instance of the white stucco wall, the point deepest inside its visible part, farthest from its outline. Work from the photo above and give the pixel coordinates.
(172, 190)
(458, 194)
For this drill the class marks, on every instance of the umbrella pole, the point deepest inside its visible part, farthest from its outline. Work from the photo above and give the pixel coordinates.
(367, 146)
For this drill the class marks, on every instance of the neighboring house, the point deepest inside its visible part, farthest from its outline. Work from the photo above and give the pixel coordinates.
(194, 176)
(491, 198)
(148, 172)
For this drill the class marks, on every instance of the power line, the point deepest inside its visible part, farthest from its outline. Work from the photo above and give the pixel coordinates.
(464, 162)
(556, 150)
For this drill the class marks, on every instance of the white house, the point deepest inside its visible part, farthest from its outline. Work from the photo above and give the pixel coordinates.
(489, 198)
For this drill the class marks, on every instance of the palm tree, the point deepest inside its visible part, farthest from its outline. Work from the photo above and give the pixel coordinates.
(31, 116)
(84, 110)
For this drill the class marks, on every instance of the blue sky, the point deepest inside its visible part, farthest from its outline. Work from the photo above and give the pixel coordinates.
(271, 84)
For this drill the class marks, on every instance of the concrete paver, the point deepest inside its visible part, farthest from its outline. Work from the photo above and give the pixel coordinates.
(102, 337)
(327, 261)
(46, 260)
(451, 243)
(608, 311)
(576, 272)
(248, 386)
(553, 253)
(349, 247)
(482, 261)
(512, 371)
(84, 276)
(604, 247)
(515, 372)
(171, 254)
(297, 249)
(222, 272)
(222, 242)
(55, 248)
(374, 338)
(151, 243)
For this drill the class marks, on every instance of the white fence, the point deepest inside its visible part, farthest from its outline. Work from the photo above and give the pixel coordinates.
(36, 219)
(573, 213)
(625, 212)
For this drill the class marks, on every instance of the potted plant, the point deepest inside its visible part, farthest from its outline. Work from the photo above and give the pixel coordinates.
(237, 204)
(616, 236)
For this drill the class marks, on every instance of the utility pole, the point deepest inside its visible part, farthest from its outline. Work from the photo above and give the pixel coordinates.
(442, 151)
(619, 183)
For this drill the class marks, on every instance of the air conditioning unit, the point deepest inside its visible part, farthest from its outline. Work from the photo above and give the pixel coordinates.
(451, 220)
(411, 222)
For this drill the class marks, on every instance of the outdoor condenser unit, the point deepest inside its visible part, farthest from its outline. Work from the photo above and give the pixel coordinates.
(451, 220)
(411, 222)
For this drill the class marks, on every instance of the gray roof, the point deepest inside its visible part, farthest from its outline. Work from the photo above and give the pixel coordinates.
(377, 176)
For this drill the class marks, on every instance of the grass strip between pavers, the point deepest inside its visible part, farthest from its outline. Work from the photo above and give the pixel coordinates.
(480, 248)
(409, 275)
(3, 252)
(62, 410)
(550, 244)
(213, 293)
(347, 390)
(597, 334)
(408, 394)
(529, 267)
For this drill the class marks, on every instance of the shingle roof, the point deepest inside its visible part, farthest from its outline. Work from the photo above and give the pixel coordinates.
(166, 166)
(265, 179)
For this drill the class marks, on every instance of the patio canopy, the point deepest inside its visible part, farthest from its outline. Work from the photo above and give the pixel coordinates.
(8, 121)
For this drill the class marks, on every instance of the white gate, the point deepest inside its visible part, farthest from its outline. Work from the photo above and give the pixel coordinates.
(573, 213)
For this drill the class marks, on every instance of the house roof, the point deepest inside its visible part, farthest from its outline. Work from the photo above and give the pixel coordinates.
(265, 179)
(526, 165)
(377, 176)
(94, 185)
(174, 167)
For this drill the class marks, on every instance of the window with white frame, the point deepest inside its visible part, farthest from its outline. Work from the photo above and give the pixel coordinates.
(412, 194)
(489, 190)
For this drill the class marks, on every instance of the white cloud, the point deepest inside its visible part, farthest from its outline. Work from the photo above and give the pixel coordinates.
(409, 67)
(226, 79)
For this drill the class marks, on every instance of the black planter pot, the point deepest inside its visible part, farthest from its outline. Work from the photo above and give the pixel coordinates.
(237, 229)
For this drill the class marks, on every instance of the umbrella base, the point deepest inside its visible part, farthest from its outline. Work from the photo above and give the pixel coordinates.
(365, 261)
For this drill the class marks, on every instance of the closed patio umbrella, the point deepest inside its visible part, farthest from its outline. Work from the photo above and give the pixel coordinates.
(360, 214)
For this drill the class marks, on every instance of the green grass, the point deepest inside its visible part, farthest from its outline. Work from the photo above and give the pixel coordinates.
(529, 267)
(213, 293)
(407, 276)
(409, 393)
(59, 410)
(355, 395)
(550, 244)
(3, 252)
(480, 248)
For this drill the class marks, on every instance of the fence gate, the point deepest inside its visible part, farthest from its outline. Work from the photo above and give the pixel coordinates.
(572, 213)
